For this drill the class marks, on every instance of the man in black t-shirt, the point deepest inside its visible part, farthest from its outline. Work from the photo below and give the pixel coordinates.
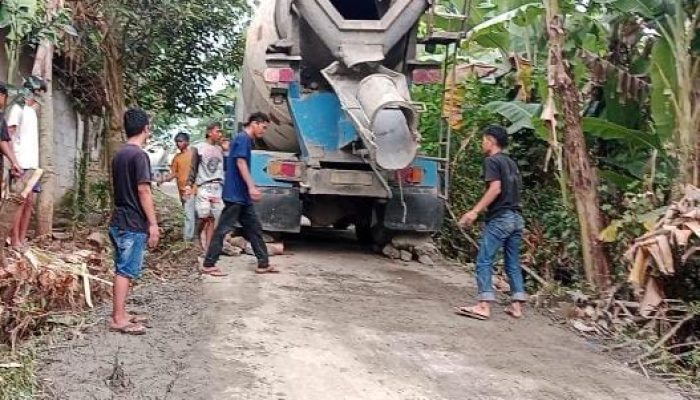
(133, 224)
(503, 229)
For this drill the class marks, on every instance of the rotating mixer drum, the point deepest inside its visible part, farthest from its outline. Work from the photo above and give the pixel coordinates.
(351, 47)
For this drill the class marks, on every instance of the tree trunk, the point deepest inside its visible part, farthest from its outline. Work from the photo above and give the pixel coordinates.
(583, 176)
(43, 67)
(114, 84)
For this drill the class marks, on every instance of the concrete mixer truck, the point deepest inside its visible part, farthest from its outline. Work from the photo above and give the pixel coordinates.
(342, 146)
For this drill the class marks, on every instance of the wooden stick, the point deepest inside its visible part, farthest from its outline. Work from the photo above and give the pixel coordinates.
(525, 268)
(456, 222)
(534, 275)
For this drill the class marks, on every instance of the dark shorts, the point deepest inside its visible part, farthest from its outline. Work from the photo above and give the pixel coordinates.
(129, 250)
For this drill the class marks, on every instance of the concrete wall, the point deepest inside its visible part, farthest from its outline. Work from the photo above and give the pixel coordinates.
(68, 136)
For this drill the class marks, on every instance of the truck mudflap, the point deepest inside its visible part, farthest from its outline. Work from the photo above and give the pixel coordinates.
(424, 210)
(279, 210)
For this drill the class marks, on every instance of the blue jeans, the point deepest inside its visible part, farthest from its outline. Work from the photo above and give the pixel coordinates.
(190, 219)
(129, 249)
(506, 231)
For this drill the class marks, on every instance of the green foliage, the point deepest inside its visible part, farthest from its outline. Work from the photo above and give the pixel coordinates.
(172, 50)
(24, 22)
(429, 122)
(519, 114)
(663, 83)
(603, 129)
(632, 211)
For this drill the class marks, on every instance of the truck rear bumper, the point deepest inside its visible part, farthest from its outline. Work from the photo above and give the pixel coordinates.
(280, 209)
(424, 210)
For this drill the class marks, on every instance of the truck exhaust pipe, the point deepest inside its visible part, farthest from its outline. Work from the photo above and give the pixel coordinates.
(378, 104)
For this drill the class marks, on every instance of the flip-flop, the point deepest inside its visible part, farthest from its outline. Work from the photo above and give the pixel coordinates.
(466, 312)
(268, 270)
(138, 319)
(213, 272)
(129, 329)
(509, 311)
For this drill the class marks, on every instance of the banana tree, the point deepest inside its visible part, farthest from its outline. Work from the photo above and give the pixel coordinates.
(18, 17)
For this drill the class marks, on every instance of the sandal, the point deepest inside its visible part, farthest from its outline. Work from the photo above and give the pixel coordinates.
(267, 270)
(129, 329)
(470, 313)
(138, 319)
(213, 271)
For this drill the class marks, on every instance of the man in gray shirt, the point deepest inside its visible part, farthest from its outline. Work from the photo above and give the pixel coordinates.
(207, 176)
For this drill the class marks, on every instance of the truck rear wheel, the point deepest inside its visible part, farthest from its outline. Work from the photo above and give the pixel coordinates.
(363, 233)
(341, 225)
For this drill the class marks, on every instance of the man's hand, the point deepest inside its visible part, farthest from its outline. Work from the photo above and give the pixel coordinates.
(255, 193)
(16, 171)
(468, 218)
(153, 236)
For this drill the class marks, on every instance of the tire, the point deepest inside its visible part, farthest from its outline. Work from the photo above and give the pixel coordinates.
(341, 225)
(363, 233)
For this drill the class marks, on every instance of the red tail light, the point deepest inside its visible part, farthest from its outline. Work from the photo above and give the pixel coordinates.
(279, 75)
(284, 169)
(411, 175)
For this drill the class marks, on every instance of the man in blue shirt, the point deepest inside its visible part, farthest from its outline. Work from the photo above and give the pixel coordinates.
(239, 194)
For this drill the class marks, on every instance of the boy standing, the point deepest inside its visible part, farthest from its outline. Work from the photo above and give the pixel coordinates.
(208, 175)
(504, 227)
(180, 170)
(239, 194)
(133, 224)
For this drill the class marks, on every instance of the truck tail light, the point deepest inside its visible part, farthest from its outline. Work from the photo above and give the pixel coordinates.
(279, 75)
(425, 76)
(412, 175)
(284, 169)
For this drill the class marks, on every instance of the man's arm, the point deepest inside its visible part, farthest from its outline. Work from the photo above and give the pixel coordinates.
(170, 175)
(242, 166)
(9, 151)
(193, 171)
(489, 197)
(146, 200)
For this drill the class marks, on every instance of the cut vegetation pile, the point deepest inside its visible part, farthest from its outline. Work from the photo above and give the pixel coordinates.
(41, 286)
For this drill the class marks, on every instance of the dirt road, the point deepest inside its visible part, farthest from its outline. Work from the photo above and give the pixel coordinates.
(338, 323)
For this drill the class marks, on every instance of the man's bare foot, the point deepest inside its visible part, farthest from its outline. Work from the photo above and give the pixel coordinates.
(515, 310)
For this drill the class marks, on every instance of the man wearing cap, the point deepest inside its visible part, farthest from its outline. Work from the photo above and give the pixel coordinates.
(24, 130)
(5, 140)
(180, 170)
